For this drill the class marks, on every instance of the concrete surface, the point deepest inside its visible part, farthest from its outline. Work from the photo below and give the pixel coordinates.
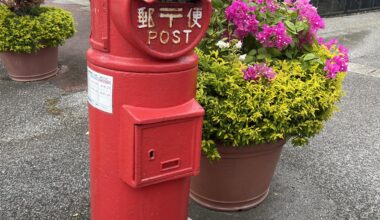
(44, 146)
(360, 34)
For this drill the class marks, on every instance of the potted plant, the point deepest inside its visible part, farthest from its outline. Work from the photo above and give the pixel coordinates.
(265, 78)
(30, 36)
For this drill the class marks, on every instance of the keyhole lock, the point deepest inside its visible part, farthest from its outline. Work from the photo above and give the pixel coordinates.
(152, 154)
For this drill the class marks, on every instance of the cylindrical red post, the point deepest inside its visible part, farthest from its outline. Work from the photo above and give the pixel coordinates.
(145, 126)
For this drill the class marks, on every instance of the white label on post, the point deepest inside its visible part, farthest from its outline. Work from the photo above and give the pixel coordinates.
(100, 88)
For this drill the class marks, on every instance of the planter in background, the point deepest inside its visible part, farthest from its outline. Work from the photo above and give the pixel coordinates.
(240, 180)
(31, 67)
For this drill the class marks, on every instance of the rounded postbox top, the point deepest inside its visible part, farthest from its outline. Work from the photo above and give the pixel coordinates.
(165, 29)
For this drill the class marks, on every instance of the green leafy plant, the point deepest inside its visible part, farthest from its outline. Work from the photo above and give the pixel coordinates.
(266, 75)
(40, 27)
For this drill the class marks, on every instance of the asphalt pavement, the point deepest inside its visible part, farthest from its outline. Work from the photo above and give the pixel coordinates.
(44, 143)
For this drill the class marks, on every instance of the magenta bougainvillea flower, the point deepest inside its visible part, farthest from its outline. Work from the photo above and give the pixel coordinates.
(243, 17)
(274, 36)
(306, 11)
(328, 44)
(291, 26)
(339, 63)
(309, 12)
(257, 71)
(267, 5)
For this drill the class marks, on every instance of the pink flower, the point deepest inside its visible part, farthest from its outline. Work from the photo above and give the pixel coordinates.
(339, 63)
(274, 36)
(343, 52)
(259, 70)
(288, 2)
(335, 65)
(243, 17)
(267, 5)
(308, 12)
(321, 40)
(332, 42)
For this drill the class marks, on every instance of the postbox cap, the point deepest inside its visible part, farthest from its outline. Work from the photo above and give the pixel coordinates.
(165, 29)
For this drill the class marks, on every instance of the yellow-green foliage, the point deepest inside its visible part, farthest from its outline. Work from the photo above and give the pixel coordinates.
(240, 113)
(48, 27)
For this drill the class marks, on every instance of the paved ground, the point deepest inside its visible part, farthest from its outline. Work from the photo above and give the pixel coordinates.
(44, 146)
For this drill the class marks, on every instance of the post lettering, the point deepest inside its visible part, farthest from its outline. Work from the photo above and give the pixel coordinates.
(151, 36)
(194, 15)
(176, 37)
(168, 16)
(164, 40)
(187, 32)
(171, 13)
(145, 17)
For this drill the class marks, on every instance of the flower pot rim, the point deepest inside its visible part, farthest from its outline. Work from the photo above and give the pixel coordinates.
(27, 53)
(253, 147)
(230, 152)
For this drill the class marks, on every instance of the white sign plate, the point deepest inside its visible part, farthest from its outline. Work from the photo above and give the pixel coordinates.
(100, 88)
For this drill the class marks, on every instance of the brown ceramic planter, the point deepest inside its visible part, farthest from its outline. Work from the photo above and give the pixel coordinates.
(31, 67)
(240, 180)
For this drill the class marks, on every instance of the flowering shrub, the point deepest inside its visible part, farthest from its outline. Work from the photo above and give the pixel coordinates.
(27, 33)
(265, 74)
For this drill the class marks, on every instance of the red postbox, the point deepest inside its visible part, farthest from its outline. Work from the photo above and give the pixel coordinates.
(145, 125)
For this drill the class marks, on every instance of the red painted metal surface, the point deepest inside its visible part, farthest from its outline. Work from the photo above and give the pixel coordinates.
(145, 126)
